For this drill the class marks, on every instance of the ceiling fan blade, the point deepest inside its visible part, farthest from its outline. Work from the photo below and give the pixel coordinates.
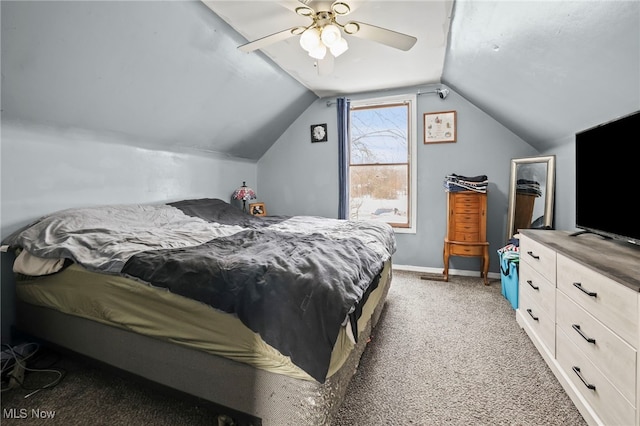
(270, 39)
(381, 35)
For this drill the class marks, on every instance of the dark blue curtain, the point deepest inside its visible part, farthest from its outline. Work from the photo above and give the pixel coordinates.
(343, 106)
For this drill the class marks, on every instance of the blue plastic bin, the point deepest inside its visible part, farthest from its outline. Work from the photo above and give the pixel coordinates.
(509, 262)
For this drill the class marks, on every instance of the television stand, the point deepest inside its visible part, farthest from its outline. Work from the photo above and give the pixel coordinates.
(579, 303)
(575, 234)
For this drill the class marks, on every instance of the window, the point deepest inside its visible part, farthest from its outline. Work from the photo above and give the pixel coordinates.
(382, 161)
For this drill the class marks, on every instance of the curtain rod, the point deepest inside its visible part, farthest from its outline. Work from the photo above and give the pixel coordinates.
(440, 92)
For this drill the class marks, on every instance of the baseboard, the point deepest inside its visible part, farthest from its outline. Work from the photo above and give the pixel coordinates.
(427, 270)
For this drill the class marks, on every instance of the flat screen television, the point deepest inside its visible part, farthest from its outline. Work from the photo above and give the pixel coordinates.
(608, 178)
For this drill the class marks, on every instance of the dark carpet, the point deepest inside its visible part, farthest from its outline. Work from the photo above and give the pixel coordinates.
(443, 353)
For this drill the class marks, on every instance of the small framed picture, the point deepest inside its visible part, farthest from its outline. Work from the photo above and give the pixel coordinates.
(319, 132)
(440, 127)
(257, 209)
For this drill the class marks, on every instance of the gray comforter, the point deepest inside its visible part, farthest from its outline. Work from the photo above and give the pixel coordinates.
(293, 280)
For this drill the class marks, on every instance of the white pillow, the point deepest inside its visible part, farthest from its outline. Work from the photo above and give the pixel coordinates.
(29, 264)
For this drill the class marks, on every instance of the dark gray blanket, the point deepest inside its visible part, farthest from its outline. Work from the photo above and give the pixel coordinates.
(293, 280)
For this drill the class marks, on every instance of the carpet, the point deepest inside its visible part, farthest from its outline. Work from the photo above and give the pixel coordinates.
(443, 353)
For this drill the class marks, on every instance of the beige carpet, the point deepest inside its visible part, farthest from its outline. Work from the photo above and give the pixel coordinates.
(442, 354)
(451, 353)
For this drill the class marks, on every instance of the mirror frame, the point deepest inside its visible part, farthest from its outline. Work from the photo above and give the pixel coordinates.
(550, 161)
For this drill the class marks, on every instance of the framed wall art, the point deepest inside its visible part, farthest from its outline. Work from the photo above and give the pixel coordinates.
(319, 132)
(257, 209)
(440, 127)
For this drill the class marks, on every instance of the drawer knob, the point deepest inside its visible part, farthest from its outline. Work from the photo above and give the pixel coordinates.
(535, 256)
(576, 327)
(535, 318)
(533, 286)
(579, 374)
(582, 289)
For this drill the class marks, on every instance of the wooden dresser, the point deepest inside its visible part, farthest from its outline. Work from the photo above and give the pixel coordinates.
(580, 305)
(467, 229)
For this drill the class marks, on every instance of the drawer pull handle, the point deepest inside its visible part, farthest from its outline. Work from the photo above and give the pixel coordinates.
(535, 318)
(532, 286)
(576, 327)
(587, 292)
(530, 253)
(587, 384)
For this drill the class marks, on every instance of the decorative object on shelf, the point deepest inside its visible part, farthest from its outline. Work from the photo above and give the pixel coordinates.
(319, 132)
(258, 209)
(440, 127)
(244, 193)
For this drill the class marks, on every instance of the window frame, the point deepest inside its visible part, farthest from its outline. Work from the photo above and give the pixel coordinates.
(412, 144)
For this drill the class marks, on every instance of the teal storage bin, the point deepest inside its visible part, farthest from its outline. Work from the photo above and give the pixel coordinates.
(509, 262)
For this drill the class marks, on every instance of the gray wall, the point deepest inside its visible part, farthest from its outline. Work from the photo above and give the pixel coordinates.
(565, 191)
(299, 177)
(46, 168)
(167, 74)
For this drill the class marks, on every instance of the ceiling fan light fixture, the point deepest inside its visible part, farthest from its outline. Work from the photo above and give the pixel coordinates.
(310, 39)
(339, 48)
(330, 35)
(318, 52)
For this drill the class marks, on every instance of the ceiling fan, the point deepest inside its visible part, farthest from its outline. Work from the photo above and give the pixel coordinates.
(324, 33)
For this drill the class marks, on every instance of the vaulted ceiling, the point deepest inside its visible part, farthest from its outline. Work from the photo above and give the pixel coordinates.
(170, 74)
(544, 69)
(367, 65)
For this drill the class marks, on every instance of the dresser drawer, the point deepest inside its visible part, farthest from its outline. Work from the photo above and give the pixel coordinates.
(539, 321)
(615, 305)
(540, 257)
(613, 356)
(537, 288)
(472, 218)
(467, 209)
(610, 405)
(466, 236)
(466, 231)
(466, 201)
(463, 250)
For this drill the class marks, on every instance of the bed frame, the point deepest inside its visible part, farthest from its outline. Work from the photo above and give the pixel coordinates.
(274, 399)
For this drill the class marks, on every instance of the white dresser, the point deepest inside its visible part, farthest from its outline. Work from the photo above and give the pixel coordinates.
(579, 302)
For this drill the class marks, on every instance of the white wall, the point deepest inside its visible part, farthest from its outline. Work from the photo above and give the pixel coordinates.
(45, 169)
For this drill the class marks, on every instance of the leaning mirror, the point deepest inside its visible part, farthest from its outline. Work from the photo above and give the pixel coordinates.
(531, 190)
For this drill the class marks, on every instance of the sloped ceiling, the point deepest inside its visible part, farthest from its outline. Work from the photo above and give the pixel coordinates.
(547, 69)
(367, 65)
(168, 74)
(160, 74)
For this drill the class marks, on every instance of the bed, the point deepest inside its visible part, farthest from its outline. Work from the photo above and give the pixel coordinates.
(267, 316)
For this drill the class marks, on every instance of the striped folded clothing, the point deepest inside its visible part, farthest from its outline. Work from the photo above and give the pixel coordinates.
(456, 183)
(525, 186)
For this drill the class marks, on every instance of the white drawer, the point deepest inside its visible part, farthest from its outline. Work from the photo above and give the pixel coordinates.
(537, 288)
(609, 404)
(540, 257)
(613, 304)
(539, 321)
(612, 355)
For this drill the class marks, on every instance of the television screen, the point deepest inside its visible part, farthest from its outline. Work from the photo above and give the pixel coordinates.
(607, 172)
